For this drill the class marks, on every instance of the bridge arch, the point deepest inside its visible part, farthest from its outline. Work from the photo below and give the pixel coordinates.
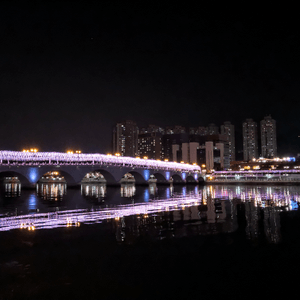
(177, 178)
(139, 178)
(69, 178)
(191, 179)
(201, 179)
(110, 179)
(160, 177)
(23, 179)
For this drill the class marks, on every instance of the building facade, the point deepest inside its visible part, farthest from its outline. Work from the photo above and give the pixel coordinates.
(268, 137)
(150, 145)
(125, 138)
(227, 129)
(250, 146)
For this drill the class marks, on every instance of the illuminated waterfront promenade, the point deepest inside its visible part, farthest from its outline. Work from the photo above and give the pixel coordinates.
(260, 176)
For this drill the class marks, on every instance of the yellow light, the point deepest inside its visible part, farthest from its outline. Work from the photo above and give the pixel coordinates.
(78, 151)
(109, 154)
(182, 162)
(166, 159)
(138, 157)
(145, 157)
(158, 159)
(194, 164)
(117, 154)
(203, 166)
(24, 150)
(70, 152)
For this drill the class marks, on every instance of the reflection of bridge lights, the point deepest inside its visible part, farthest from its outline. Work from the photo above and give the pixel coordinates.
(146, 195)
(32, 201)
(127, 190)
(168, 192)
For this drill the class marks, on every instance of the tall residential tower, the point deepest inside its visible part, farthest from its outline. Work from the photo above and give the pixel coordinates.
(228, 130)
(125, 138)
(250, 147)
(268, 137)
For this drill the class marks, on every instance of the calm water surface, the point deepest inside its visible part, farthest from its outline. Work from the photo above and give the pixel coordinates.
(156, 242)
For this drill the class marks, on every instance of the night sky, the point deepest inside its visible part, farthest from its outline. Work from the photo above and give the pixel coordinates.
(71, 70)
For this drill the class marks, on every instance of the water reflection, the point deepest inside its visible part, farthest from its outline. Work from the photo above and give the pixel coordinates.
(51, 191)
(161, 212)
(127, 190)
(12, 189)
(97, 191)
(32, 202)
(152, 189)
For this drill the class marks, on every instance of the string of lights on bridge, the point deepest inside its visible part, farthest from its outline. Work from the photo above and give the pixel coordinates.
(34, 157)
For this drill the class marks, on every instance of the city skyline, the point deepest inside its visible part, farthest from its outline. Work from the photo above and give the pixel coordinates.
(212, 146)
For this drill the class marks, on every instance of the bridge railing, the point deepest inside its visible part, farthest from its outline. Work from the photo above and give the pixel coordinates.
(58, 158)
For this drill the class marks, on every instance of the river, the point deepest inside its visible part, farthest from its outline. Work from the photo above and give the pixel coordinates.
(112, 237)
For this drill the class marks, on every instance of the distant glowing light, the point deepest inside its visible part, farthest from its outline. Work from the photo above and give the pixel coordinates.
(167, 175)
(146, 174)
(33, 175)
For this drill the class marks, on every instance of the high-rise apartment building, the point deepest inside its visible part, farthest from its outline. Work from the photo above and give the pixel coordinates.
(125, 138)
(227, 129)
(268, 137)
(250, 147)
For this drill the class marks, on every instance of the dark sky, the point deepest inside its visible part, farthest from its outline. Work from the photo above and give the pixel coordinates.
(71, 70)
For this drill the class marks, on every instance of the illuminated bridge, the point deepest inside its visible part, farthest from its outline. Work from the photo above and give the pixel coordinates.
(29, 167)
